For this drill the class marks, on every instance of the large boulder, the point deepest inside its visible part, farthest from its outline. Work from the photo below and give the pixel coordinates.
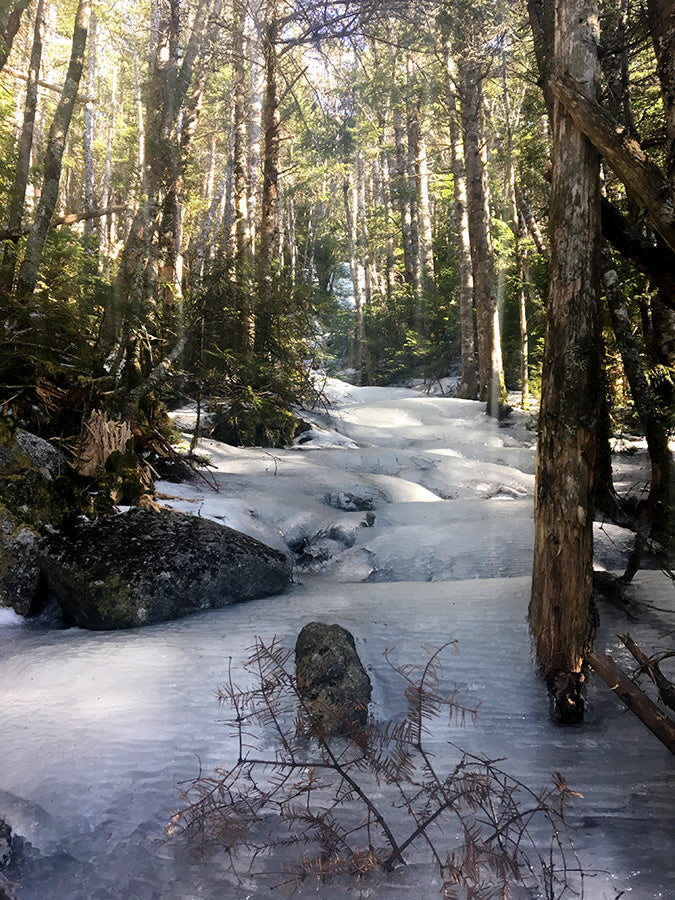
(334, 686)
(145, 566)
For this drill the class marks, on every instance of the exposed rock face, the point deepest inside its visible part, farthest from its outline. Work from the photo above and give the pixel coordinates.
(28, 467)
(5, 843)
(144, 566)
(332, 681)
(21, 583)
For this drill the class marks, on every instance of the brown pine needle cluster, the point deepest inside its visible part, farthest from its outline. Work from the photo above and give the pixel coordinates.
(323, 809)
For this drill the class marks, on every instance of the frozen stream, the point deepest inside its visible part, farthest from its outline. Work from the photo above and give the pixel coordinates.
(100, 730)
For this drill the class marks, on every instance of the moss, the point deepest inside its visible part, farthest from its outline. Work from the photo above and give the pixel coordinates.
(7, 430)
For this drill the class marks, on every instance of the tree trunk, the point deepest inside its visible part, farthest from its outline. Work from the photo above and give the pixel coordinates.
(420, 178)
(88, 135)
(54, 155)
(401, 199)
(106, 235)
(644, 181)
(10, 20)
(661, 17)
(362, 232)
(18, 195)
(517, 245)
(272, 143)
(562, 581)
(658, 510)
(240, 153)
(255, 123)
(490, 371)
(350, 217)
(468, 387)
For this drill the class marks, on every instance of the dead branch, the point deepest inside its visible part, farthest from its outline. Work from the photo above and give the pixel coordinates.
(68, 219)
(637, 701)
(665, 687)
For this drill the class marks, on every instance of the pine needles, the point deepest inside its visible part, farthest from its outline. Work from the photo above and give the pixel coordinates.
(323, 809)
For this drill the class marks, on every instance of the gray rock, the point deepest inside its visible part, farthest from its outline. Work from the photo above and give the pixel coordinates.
(333, 684)
(21, 583)
(5, 844)
(348, 502)
(144, 566)
(29, 449)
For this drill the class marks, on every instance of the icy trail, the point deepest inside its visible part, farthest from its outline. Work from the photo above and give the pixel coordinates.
(101, 729)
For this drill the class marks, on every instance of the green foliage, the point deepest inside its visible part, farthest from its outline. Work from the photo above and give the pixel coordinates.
(252, 389)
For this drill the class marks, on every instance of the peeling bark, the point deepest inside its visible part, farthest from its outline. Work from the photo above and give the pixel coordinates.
(561, 611)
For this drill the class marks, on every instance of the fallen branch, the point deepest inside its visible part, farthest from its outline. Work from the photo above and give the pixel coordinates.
(637, 701)
(183, 459)
(69, 219)
(665, 687)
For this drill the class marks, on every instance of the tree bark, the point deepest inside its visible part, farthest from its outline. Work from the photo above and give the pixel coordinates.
(517, 243)
(661, 17)
(401, 199)
(643, 179)
(468, 386)
(658, 508)
(271, 154)
(88, 134)
(18, 195)
(10, 20)
(350, 216)
(490, 371)
(54, 155)
(562, 580)
(638, 702)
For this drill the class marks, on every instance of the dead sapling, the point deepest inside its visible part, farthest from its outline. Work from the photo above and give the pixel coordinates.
(305, 808)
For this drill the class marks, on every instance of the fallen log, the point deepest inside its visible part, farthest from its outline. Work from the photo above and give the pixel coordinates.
(665, 687)
(637, 701)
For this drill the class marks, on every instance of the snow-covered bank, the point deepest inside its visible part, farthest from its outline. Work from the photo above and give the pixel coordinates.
(100, 730)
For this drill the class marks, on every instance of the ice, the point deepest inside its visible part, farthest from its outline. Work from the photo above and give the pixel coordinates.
(102, 730)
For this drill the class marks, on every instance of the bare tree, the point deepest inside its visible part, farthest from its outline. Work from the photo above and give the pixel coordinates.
(561, 613)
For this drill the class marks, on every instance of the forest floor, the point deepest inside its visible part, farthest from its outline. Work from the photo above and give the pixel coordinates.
(410, 517)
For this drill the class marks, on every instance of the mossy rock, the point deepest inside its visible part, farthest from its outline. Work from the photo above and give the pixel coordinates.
(144, 566)
(22, 586)
(334, 686)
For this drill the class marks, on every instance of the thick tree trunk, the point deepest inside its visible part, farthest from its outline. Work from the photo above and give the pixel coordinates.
(490, 371)
(562, 580)
(54, 155)
(643, 179)
(88, 135)
(468, 387)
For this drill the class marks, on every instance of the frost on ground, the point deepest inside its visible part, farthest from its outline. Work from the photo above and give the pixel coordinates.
(409, 518)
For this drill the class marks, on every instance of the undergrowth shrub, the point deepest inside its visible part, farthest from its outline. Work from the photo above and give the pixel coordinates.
(350, 809)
